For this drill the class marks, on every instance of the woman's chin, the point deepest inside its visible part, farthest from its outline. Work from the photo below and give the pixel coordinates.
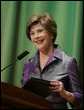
(40, 47)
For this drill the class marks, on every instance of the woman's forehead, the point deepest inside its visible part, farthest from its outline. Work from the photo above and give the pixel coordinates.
(36, 26)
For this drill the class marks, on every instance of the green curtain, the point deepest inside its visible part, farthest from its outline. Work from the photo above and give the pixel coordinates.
(14, 16)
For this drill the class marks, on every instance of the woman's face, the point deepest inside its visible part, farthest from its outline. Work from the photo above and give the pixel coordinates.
(40, 37)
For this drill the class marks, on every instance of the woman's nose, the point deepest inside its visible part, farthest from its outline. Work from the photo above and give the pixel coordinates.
(36, 35)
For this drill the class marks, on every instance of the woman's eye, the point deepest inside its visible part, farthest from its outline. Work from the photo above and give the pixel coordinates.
(31, 33)
(40, 30)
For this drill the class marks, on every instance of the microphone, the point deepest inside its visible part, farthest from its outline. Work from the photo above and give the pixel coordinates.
(22, 55)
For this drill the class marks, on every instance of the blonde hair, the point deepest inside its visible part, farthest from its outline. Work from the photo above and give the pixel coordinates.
(46, 21)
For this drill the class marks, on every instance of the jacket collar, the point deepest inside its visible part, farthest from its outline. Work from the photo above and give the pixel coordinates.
(57, 55)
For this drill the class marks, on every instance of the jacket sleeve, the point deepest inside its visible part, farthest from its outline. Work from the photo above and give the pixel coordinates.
(75, 85)
(25, 74)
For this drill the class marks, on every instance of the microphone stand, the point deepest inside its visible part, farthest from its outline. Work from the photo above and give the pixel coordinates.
(10, 64)
(18, 58)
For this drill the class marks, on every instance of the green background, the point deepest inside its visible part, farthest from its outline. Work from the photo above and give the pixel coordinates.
(14, 16)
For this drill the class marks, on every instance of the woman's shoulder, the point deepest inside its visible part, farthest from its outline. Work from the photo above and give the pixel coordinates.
(28, 61)
(68, 58)
(62, 54)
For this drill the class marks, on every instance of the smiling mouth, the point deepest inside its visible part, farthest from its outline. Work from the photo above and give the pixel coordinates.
(39, 41)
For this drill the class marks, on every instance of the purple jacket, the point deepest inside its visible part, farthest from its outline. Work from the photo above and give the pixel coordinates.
(58, 67)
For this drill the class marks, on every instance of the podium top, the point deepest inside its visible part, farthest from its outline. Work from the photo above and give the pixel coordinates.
(16, 97)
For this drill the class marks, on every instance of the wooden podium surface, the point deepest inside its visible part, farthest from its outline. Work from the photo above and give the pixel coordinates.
(18, 98)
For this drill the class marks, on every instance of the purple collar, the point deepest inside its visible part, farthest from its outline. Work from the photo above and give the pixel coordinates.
(57, 55)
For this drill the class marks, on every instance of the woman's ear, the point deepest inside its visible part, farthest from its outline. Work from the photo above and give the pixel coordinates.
(52, 37)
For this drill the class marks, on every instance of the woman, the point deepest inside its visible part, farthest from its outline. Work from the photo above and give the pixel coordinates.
(51, 63)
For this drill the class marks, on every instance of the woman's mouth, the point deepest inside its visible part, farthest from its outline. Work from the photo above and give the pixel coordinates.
(39, 41)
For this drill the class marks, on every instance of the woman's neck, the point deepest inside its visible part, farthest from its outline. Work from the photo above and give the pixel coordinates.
(47, 52)
(44, 56)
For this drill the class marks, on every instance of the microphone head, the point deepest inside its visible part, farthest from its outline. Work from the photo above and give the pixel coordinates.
(22, 55)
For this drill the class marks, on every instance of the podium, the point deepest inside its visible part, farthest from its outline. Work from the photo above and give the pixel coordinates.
(13, 97)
